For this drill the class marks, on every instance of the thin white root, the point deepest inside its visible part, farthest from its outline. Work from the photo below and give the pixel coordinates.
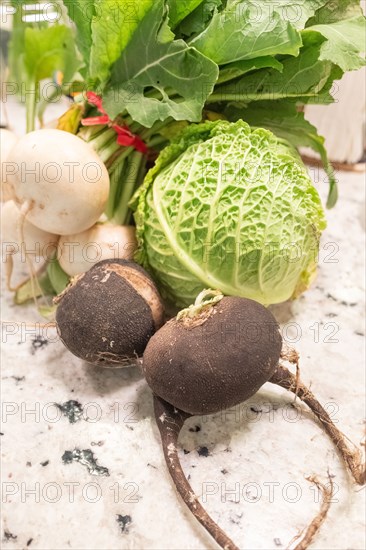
(9, 267)
(24, 210)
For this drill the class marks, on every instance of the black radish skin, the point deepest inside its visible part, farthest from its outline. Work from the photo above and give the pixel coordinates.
(108, 314)
(215, 360)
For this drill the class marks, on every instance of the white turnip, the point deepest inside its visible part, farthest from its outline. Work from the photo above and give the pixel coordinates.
(78, 253)
(24, 242)
(7, 141)
(60, 183)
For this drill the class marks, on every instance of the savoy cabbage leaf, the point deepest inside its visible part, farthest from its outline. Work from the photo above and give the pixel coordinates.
(286, 121)
(231, 208)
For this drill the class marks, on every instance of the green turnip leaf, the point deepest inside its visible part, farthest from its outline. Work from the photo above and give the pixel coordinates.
(236, 69)
(246, 30)
(305, 78)
(156, 78)
(112, 29)
(50, 49)
(336, 11)
(197, 21)
(179, 9)
(81, 13)
(345, 42)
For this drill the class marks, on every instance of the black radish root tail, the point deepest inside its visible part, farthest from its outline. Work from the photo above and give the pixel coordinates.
(352, 457)
(307, 535)
(170, 421)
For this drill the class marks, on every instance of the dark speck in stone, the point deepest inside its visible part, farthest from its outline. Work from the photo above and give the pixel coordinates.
(45, 463)
(359, 333)
(256, 410)
(124, 522)
(29, 542)
(331, 315)
(203, 451)
(224, 471)
(9, 536)
(73, 410)
(18, 378)
(236, 519)
(277, 542)
(86, 458)
(195, 429)
(38, 342)
(186, 452)
(29, 464)
(1, 433)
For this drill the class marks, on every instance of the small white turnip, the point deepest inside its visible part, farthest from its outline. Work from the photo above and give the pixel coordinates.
(24, 242)
(60, 182)
(7, 141)
(78, 253)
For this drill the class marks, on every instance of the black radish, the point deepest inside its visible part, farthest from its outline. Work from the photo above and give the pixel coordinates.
(107, 315)
(214, 355)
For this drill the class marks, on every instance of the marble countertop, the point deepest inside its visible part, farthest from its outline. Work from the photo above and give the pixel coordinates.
(248, 466)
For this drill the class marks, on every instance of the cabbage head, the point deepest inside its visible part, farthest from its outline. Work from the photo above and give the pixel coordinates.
(229, 207)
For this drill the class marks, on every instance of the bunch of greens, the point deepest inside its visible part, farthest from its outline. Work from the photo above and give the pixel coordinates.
(141, 72)
(261, 61)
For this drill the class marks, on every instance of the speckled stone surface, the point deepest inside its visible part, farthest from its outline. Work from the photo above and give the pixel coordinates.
(248, 466)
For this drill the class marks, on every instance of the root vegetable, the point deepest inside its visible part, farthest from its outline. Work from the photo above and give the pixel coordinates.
(7, 141)
(230, 350)
(212, 356)
(107, 315)
(78, 253)
(24, 241)
(59, 180)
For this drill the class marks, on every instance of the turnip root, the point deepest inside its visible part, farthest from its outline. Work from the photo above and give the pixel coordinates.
(59, 181)
(7, 141)
(24, 241)
(108, 314)
(78, 253)
(212, 356)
